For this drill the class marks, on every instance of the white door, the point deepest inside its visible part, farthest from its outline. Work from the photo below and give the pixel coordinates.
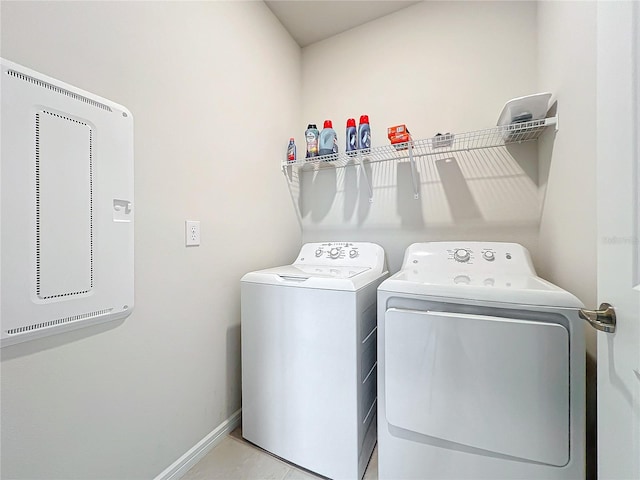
(618, 191)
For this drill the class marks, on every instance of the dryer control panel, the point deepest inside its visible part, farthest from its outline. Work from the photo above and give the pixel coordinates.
(495, 257)
(351, 254)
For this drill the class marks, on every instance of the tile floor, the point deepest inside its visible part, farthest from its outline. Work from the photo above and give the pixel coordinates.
(236, 459)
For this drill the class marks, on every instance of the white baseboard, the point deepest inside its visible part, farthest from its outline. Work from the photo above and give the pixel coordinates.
(181, 466)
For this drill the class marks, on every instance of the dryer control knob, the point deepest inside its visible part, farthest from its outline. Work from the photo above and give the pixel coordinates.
(462, 255)
(489, 256)
(334, 252)
(353, 253)
(318, 252)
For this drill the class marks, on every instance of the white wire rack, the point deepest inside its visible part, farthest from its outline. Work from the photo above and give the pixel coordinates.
(436, 146)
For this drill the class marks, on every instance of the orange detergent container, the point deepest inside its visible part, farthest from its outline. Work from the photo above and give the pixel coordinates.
(399, 136)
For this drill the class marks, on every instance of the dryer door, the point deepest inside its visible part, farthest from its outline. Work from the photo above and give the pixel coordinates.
(491, 383)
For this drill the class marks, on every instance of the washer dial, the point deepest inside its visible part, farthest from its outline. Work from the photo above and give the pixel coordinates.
(334, 252)
(462, 255)
(489, 256)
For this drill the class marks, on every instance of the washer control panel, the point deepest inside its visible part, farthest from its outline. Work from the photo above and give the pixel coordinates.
(342, 254)
(468, 257)
(337, 251)
(483, 254)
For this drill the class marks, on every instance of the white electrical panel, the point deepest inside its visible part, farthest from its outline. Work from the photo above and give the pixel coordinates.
(66, 202)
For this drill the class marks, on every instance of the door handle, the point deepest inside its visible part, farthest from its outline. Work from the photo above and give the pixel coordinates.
(603, 319)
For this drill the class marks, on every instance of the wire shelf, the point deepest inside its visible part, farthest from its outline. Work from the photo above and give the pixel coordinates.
(438, 147)
(448, 143)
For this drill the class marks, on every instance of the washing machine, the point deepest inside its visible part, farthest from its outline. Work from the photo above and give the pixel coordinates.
(309, 357)
(480, 368)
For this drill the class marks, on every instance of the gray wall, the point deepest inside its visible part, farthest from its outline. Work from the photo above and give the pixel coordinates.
(214, 88)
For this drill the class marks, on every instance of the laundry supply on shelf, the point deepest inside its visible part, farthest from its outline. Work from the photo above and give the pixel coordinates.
(352, 137)
(311, 135)
(364, 134)
(328, 140)
(399, 136)
(291, 151)
(442, 140)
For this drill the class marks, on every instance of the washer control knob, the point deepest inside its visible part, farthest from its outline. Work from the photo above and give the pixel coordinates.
(334, 252)
(353, 253)
(489, 256)
(318, 252)
(462, 255)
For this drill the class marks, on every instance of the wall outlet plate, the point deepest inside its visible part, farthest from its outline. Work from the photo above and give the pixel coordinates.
(192, 233)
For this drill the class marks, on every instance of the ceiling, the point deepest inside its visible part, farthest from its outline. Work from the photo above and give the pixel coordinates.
(309, 21)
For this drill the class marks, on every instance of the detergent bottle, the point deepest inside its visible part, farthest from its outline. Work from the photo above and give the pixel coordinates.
(328, 139)
(291, 151)
(364, 134)
(352, 137)
(311, 136)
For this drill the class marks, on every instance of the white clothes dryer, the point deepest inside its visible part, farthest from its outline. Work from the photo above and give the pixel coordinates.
(480, 368)
(309, 357)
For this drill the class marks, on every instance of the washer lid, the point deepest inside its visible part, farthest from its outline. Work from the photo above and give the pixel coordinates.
(316, 276)
(502, 288)
(317, 271)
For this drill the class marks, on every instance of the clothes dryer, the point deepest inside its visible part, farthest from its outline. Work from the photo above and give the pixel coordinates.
(480, 368)
(309, 357)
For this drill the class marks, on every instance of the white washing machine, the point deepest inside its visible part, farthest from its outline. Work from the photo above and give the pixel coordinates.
(480, 368)
(309, 357)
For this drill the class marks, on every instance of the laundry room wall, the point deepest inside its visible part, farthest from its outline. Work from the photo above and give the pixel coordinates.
(437, 67)
(568, 230)
(215, 89)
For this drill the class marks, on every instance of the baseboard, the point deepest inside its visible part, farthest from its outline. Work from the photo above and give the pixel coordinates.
(181, 466)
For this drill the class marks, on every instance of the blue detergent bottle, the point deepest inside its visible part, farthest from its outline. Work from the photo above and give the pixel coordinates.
(352, 137)
(364, 134)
